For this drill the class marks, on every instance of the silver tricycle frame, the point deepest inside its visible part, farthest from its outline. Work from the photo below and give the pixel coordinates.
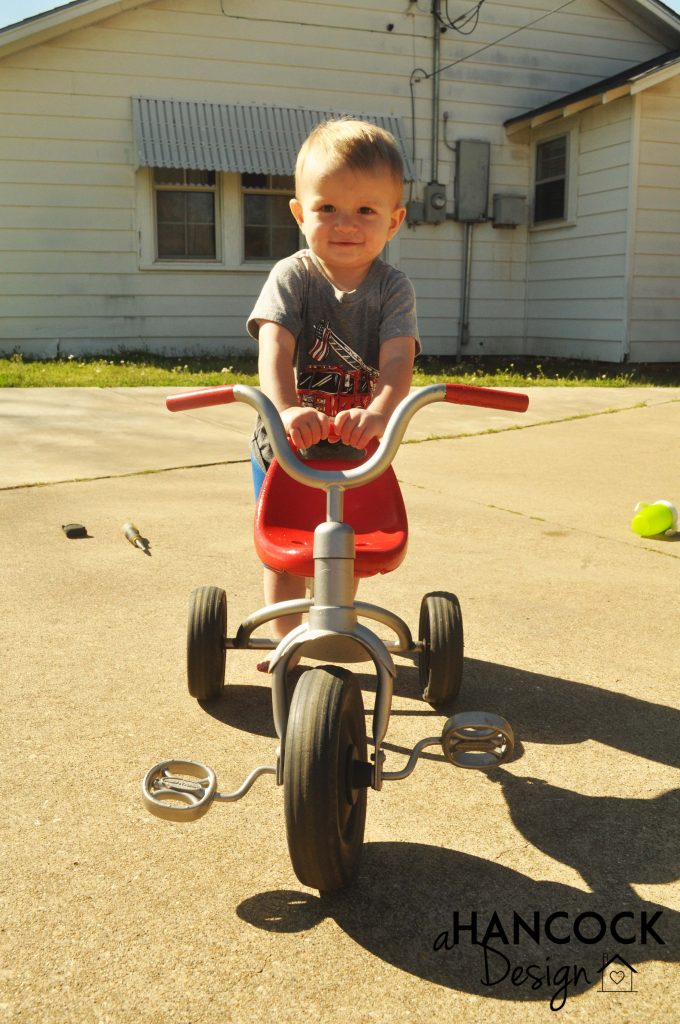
(332, 632)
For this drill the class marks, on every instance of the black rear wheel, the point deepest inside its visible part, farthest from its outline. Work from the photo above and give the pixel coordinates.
(325, 777)
(441, 660)
(206, 653)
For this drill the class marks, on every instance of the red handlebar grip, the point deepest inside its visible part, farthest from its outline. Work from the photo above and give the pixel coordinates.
(200, 399)
(488, 398)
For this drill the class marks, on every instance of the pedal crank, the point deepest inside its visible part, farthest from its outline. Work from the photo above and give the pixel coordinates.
(471, 739)
(185, 790)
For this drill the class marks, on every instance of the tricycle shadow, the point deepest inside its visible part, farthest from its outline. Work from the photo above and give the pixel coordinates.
(403, 906)
(546, 709)
(541, 709)
(244, 707)
(249, 707)
(414, 907)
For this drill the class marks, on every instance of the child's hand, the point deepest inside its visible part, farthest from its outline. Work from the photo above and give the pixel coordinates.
(356, 427)
(305, 426)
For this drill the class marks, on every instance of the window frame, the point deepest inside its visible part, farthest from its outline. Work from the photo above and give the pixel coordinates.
(229, 230)
(570, 177)
(267, 190)
(213, 190)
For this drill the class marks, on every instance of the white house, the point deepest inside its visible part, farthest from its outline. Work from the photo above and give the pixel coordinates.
(146, 149)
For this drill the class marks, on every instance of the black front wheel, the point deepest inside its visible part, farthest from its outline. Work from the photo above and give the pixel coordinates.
(441, 661)
(206, 653)
(325, 778)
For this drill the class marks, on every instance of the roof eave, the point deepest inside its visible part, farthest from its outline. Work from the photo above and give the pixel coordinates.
(566, 110)
(43, 27)
(561, 109)
(659, 12)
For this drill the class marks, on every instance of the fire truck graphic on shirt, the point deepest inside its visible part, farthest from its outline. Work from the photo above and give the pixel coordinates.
(333, 384)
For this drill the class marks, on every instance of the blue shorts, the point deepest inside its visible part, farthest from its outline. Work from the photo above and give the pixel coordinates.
(258, 475)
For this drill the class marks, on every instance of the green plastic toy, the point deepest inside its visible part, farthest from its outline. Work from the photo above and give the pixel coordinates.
(652, 519)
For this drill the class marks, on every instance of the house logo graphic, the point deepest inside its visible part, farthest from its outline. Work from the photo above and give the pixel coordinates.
(616, 974)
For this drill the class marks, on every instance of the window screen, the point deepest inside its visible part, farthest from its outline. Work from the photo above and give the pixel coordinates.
(550, 190)
(185, 214)
(269, 230)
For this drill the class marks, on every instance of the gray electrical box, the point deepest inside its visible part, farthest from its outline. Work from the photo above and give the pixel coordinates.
(471, 192)
(509, 211)
(415, 212)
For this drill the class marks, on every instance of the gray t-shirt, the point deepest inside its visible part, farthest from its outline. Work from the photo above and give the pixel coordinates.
(338, 334)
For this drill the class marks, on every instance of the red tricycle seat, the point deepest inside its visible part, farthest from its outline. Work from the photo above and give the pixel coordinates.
(287, 513)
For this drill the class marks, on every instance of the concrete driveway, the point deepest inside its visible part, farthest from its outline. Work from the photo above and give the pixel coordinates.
(482, 897)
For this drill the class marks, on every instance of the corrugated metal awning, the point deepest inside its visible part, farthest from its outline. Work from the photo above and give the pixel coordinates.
(230, 137)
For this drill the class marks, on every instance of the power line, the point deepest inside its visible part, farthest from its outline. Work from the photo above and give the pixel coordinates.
(487, 46)
(465, 24)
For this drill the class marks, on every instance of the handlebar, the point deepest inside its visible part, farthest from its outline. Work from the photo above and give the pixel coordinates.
(461, 394)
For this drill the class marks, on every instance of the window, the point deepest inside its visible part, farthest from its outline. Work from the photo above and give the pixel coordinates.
(550, 188)
(269, 230)
(185, 214)
(213, 220)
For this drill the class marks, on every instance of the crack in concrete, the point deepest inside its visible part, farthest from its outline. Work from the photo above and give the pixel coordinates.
(420, 440)
(121, 476)
(541, 423)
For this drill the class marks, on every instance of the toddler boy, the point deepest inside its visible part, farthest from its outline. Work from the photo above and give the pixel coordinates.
(336, 325)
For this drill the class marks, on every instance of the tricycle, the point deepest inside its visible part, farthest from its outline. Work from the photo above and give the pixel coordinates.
(332, 521)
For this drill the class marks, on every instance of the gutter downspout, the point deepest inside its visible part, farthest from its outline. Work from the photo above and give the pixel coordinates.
(463, 320)
(436, 64)
(631, 234)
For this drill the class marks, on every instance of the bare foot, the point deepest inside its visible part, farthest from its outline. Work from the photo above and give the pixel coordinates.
(263, 666)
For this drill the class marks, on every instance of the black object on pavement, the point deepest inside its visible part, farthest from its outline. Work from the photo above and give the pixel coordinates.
(74, 530)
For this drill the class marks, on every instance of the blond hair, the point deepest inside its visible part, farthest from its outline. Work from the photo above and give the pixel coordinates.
(358, 145)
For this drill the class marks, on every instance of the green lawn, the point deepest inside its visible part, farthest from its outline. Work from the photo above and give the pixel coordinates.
(144, 369)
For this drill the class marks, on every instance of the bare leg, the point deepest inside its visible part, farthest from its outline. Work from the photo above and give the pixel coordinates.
(281, 586)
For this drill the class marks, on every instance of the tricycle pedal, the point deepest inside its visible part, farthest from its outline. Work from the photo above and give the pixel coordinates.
(169, 794)
(477, 739)
(179, 790)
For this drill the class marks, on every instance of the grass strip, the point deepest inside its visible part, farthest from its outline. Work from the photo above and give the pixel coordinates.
(143, 369)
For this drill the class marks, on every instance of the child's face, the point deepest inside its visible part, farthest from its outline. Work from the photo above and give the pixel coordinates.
(347, 217)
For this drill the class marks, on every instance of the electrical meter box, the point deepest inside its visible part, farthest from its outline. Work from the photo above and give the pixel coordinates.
(471, 193)
(435, 203)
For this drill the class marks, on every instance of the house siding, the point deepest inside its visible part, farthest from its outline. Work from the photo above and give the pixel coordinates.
(655, 296)
(577, 272)
(72, 275)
